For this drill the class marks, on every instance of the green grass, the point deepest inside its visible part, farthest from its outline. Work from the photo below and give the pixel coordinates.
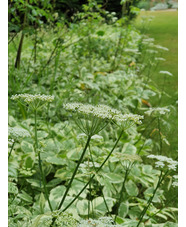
(164, 29)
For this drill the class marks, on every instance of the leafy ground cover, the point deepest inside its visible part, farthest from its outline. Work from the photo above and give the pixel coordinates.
(81, 149)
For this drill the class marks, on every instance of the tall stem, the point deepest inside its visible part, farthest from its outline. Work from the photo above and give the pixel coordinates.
(11, 150)
(75, 171)
(121, 192)
(39, 161)
(94, 174)
(91, 178)
(151, 198)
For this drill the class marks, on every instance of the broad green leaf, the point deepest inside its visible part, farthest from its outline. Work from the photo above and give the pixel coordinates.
(25, 196)
(75, 154)
(29, 161)
(99, 204)
(76, 188)
(114, 178)
(158, 197)
(42, 134)
(131, 188)
(134, 213)
(147, 169)
(53, 183)
(42, 202)
(123, 209)
(56, 160)
(56, 195)
(27, 147)
(82, 207)
(35, 183)
(63, 174)
(12, 188)
(12, 170)
(129, 148)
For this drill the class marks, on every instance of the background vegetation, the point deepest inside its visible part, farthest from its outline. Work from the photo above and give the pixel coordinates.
(85, 53)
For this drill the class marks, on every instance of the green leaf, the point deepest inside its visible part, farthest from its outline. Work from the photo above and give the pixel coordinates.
(100, 33)
(56, 160)
(35, 183)
(114, 178)
(56, 195)
(129, 148)
(158, 197)
(24, 196)
(53, 183)
(42, 203)
(27, 147)
(42, 134)
(99, 204)
(76, 187)
(63, 174)
(123, 209)
(131, 188)
(147, 169)
(82, 207)
(75, 154)
(12, 188)
(30, 160)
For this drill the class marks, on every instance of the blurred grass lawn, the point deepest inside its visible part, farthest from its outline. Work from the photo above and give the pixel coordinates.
(164, 29)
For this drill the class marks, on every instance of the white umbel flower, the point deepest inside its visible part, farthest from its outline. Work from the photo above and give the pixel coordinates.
(157, 111)
(35, 101)
(31, 98)
(101, 222)
(103, 112)
(164, 161)
(17, 133)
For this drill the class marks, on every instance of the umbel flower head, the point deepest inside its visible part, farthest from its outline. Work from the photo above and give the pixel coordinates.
(157, 111)
(35, 101)
(101, 222)
(17, 133)
(97, 117)
(175, 181)
(128, 157)
(163, 161)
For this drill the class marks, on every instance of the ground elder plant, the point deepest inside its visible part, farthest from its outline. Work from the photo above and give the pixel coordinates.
(86, 154)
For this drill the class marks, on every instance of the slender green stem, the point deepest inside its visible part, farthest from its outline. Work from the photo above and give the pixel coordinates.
(121, 192)
(161, 178)
(147, 126)
(11, 150)
(101, 190)
(160, 139)
(94, 174)
(39, 160)
(75, 171)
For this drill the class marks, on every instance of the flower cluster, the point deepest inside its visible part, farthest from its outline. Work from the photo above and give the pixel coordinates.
(163, 161)
(175, 182)
(128, 157)
(31, 98)
(17, 133)
(101, 222)
(157, 111)
(102, 112)
(166, 73)
(34, 100)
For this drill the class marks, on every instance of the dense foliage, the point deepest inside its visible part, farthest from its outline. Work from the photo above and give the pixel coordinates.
(85, 144)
